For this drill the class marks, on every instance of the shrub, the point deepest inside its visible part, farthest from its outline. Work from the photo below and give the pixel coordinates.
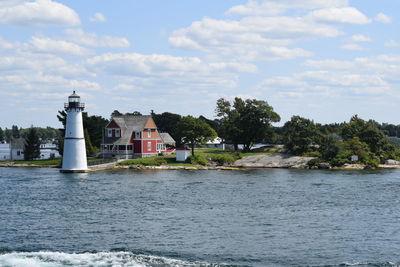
(372, 163)
(144, 162)
(222, 159)
(313, 162)
(197, 159)
(339, 161)
(315, 154)
(237, 155)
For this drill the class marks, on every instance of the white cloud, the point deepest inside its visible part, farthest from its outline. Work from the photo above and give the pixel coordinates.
(346, 15)
(311, 4)
(329, 63)
(362, 77)
(38, 13)
(92, 39)
(327, 84)
(255, 8)
(272, 8)
(138, 64)
(360, 38)
(251, 38)
(4, 44)
(383, 18)
(98, 17)
(354, 47)
(49, 45)
(392, 43)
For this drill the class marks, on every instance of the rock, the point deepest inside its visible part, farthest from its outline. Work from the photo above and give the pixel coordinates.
(392, 162)
(277, 160)
(324, 165)
(353, 166)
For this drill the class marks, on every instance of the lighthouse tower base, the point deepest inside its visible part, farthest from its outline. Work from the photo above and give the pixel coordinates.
(74, 171)
(74, 159)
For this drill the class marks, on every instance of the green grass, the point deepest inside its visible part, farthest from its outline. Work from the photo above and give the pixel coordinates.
(44, 162)
(203, 156)
(245, 154)
(48, 162)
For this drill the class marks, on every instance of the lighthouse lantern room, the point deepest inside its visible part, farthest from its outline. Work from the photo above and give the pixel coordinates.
(74, 156)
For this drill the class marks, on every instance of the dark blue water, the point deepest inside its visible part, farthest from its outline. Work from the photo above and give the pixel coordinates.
(271, 217)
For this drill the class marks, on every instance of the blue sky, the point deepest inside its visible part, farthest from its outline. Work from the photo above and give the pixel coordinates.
(322, 59)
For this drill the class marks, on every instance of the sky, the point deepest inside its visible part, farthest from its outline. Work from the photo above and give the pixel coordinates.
(325, 60)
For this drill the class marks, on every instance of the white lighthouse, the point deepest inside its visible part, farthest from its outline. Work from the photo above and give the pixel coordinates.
(74, 156)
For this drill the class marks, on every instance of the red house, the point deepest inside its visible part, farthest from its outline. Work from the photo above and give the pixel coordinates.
(131, 136)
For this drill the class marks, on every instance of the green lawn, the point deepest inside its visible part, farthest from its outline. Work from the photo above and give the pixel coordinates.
(51, 162)
(203, 156)
(44, 162)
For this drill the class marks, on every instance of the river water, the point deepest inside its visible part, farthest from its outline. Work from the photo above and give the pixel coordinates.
(261, 217)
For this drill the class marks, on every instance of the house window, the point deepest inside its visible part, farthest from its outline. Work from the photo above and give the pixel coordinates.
(148, 132)
(117, 133)
(109, 132)
(18, 153)
(137, 135)
(148, 146)
(160, 147)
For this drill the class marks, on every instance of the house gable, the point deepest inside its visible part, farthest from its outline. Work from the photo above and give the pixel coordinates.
(112, 124)
(150, 124)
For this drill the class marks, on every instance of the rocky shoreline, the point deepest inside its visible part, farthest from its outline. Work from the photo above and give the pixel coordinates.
(278, 160)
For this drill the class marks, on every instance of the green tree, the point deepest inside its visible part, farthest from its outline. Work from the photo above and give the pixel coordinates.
(62, 117)
(2, 136)
(8, 134)
(299, 134)
(116, 113)
(95, 126)
(32, 145)
(369, 133)
(245, 121)
(168, 122)
(90, 150)
(195, 131)
(329, 147)
(15, 131)
(135, 113)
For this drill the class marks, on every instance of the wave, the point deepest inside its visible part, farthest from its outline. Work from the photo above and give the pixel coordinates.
(126, 259)
(366, 264)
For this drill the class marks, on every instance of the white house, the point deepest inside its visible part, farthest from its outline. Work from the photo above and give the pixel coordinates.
(49, 151)
(13, 150)
(216, 143)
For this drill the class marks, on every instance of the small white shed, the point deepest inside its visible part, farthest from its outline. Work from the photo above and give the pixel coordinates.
(182, 154)
(354, 158)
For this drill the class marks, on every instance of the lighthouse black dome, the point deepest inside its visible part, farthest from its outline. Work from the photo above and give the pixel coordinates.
(74, 102)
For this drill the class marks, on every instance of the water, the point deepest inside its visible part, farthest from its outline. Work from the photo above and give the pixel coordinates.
(263, 217)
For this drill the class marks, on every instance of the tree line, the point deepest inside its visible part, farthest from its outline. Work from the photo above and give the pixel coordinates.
(247, 122)
(45, 134)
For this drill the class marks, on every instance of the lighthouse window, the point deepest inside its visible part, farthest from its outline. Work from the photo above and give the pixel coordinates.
(109, 132)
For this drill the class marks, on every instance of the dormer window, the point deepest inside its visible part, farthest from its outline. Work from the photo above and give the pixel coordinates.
(149, 133)
(138, 135)
(117, 133)
(109, 132)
